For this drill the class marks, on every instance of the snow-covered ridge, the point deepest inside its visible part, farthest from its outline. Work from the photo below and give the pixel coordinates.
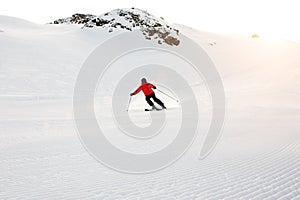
(128, 20)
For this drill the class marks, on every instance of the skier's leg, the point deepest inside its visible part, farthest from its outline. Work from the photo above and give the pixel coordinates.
(148, 99)
(158, 101)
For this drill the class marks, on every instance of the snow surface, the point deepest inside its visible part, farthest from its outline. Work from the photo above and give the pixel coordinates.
(41, 155)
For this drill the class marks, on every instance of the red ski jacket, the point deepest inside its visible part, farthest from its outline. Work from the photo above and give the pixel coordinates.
(147, 89)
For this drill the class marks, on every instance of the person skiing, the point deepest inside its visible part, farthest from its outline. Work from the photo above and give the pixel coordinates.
(149, 94)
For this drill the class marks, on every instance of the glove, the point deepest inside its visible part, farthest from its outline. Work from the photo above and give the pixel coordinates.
(131, 94)
(154, 87)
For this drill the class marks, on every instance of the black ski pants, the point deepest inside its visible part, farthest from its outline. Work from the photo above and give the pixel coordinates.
(148, 99)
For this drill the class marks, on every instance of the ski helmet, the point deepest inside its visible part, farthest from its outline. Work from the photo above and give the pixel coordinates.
(144, 80)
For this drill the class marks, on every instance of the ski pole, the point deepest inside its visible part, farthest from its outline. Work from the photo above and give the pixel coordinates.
(168, 95)
(129, 103)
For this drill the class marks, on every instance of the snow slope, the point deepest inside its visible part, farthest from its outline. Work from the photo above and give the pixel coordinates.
(41, 155)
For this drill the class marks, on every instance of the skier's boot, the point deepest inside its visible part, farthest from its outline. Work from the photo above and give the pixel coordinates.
(163, 106)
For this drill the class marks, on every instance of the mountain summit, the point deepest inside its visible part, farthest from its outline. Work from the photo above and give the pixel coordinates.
(128, 20)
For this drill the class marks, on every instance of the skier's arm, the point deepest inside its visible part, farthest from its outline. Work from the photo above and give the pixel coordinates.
(153, 86)
(136, 91)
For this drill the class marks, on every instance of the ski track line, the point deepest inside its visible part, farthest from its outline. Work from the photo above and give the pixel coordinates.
(249, 163)
(187, 181)
(204, 165)
(239, 181)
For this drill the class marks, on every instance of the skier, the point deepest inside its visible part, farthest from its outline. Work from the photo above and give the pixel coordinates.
(149, 93)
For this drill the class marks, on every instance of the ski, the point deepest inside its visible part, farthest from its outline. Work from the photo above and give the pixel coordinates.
(153, 109)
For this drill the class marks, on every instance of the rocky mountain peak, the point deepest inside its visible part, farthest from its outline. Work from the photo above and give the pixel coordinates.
(128, 20)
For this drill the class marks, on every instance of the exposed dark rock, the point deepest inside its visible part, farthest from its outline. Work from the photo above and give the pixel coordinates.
(128, 20)
(75, 19)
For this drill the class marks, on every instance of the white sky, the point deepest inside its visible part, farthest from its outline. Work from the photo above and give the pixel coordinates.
(268, 18)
